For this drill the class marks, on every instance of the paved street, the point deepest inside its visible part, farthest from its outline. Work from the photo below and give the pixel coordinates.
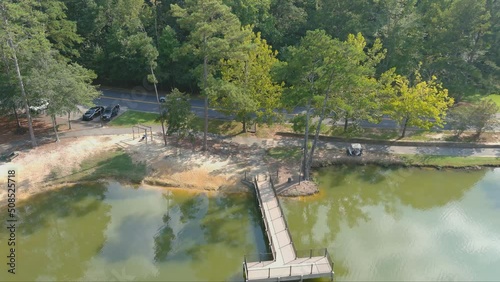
(138, 99)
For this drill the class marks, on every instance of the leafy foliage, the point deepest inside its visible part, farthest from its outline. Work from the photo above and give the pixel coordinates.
(246, 88)
(422, 104)
(176, 112)
(482, 115)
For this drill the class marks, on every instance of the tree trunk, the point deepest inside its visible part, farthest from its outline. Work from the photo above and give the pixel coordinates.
(20, 79)
(159, 107)
(17, 117)
(318, 129)
(205, 77)
(69, 120)
(404, 127)
(54, 125)
(305, 168)
(244, 126)
(156, 25)
(346, 120)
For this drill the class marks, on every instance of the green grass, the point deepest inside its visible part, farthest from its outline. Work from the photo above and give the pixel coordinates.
(285, 153)
(495, 98)
(115, 164)
(434, 160)
(130, 118)
(476, 98)
(217, 126)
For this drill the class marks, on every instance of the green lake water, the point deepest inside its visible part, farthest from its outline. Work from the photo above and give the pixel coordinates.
(378, 224)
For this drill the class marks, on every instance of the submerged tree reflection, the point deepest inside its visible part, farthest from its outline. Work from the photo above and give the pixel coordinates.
(60, 231)
(347, 191)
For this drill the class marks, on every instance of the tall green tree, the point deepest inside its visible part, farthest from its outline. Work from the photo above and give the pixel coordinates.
(23, 36)
(422, 103)
(311, 72)
(355, 80)
(213, 31)
(456, 47)
(332, 79)
(60, 31)
(176, 112)
(246, 89)
(62, 85)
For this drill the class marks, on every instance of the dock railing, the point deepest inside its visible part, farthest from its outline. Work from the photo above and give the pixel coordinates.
(289, 271)
(283, 214)
(268, 231)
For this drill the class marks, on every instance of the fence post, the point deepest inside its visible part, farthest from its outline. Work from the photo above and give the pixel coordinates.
(268, 272)
(290, 270)
(311, 269)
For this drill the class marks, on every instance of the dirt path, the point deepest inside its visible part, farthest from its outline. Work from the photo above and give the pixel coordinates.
(175, 166)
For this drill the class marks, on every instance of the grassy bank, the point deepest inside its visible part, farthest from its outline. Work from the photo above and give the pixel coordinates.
(495, 98)
(285, 153)
(115, 164)
(338, 157)
(130, 118)
(449, 161)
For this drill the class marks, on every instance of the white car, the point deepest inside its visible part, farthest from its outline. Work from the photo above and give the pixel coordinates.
(354, 149)
(40, 106)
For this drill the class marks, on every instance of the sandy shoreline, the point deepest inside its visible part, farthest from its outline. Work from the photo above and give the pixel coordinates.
(175, 166)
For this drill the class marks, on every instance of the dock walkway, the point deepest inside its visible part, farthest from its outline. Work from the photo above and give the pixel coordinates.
(283, 264)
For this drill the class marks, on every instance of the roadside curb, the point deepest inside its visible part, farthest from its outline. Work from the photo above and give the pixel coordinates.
(393, 143)
(134, 90)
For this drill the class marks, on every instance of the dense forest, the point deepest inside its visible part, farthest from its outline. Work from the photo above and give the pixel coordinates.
(455, 40)
(348, 59)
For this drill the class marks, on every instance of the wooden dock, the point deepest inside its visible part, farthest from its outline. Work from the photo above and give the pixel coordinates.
(284, 263)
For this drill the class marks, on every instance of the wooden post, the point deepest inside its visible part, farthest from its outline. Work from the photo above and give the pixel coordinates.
(268, 272)
(290, 270)
(311, 269)
(310, 253)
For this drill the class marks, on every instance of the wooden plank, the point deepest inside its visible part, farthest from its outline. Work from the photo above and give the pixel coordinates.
(285, 263)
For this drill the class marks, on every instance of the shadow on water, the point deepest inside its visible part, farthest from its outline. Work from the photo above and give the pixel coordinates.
(73, 201)
(120, 167)
(62, 229)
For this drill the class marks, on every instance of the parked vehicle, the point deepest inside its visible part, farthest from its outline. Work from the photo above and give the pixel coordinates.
(354, 149)
(163, 99)
(39, 106)
(110, 112)
(93, 112)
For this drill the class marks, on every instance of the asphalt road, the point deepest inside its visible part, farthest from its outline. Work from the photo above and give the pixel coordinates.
(140, 100)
